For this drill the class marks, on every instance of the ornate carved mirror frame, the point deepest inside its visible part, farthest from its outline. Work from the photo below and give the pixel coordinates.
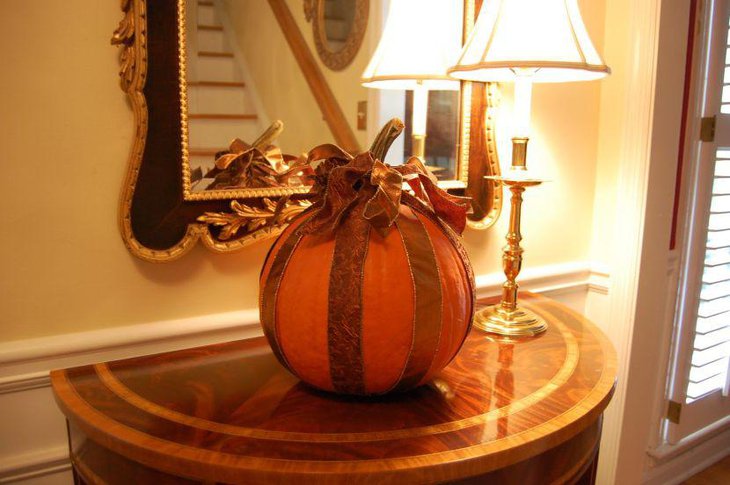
(158, 223)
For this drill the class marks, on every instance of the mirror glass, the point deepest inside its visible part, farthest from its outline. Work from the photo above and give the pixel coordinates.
(338, 17)
(219, 70)
(243, 75)
(442, 123)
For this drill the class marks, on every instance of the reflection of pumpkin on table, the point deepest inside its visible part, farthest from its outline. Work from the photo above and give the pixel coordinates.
(521, 412)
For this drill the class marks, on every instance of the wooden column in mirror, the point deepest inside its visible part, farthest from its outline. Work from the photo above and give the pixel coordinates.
(504, 411)
(163, 213)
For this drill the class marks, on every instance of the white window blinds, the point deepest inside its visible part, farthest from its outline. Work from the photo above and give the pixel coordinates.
(711, 350)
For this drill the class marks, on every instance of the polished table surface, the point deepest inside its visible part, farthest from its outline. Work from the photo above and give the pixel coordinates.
(230, 413)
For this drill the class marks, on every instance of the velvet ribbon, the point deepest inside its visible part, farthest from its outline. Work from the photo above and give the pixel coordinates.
(342, 181)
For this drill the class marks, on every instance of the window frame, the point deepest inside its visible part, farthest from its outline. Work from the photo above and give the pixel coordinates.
(698, 159)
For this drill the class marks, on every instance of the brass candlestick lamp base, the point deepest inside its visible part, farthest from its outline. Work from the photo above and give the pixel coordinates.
(418, 147)
(507, 318)
(519, 322)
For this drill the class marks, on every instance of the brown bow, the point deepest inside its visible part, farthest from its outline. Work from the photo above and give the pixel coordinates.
(240, 150)
(254, 166)
(341, 182)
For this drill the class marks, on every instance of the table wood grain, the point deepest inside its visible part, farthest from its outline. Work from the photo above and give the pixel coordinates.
(517, 411)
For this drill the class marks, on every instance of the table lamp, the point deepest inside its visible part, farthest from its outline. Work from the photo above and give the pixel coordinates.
(421, 39)
(524, 42)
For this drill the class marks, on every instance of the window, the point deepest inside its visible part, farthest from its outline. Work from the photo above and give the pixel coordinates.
(711, 349)
(698, 380)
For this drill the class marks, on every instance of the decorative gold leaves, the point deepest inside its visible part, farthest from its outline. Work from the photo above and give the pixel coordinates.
(310, 10)
(251, 218)
(124, 36)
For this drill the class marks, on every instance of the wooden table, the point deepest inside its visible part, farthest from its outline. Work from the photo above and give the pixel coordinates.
(521, 411)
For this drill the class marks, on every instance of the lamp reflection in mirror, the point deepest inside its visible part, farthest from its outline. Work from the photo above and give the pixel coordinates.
(421, 39)
(524, 41)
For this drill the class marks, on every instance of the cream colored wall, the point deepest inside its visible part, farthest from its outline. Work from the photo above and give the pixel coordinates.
(345, 84)
(65, 134)
(616, 49)
(282, 88)
(615, 52)
(558, 215)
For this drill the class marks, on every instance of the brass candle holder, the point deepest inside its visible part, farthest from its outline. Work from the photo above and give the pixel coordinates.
(508, 318)
(418, 146)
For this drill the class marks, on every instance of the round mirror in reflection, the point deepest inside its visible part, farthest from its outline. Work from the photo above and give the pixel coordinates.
(339, 28)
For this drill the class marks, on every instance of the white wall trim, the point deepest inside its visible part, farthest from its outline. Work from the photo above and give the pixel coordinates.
(667, 451)
(25, 361)
(634, 163)
(25, 364)
(29, 350)
(574, 275)
(676, 463)
(31, 356)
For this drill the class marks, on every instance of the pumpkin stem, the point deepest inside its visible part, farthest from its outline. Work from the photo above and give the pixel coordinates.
(387, 135)
(268, 136)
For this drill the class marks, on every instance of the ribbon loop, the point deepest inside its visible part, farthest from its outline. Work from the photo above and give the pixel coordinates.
(342, 182)
(382, 209)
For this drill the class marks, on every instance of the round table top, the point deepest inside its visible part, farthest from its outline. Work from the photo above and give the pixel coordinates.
(220, 411)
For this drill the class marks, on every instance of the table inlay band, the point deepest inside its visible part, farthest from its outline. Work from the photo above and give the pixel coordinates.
(553, 411)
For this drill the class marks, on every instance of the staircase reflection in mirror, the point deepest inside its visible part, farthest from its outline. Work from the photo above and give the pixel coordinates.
(243, 72)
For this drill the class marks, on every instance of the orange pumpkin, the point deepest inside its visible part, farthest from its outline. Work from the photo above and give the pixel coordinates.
(369, 291)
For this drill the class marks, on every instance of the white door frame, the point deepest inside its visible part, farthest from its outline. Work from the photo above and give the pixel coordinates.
(650, 111)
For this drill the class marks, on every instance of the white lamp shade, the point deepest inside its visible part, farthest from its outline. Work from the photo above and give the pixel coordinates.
(544, 38)
(421, 40)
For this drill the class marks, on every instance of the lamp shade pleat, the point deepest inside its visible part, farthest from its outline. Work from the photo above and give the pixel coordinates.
(421, 39)
(547, 38)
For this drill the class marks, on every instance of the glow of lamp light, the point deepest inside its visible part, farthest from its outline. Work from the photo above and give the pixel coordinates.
(522, 105)
(420, 110)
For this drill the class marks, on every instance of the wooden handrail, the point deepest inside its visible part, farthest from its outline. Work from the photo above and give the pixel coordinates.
(214, 54)
(221, 116)
(218, 84)
(331, 110)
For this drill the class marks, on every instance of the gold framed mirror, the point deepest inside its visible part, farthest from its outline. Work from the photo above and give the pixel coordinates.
(163, 214)
(220, 102)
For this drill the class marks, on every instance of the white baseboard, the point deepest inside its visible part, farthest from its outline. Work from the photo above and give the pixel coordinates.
(33, 465)
(25, 364)
(25, 382)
